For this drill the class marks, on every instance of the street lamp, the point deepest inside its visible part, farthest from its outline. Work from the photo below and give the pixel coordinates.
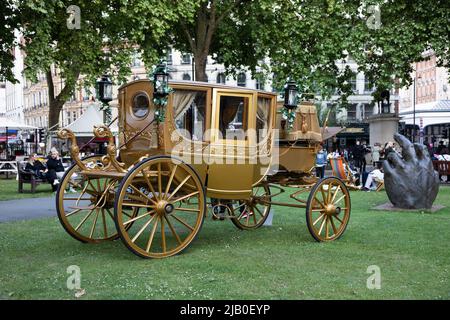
(290, 95)
(104, 87)
(414, 108)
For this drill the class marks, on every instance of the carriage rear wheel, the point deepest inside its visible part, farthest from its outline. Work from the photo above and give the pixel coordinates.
(328, 209)
(85, 204)
(172, 202)
(252, 213)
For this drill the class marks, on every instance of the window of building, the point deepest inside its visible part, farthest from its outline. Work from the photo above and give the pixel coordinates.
(169, 57)
(185, 58)
(368, 86)
(241, 79)
(353, 83)
(352, 112)
(260, 83)
(136, 60)
(186, 76)
(221, 78)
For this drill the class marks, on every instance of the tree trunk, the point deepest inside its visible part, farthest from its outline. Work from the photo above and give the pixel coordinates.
(200, 67)
(56, 103)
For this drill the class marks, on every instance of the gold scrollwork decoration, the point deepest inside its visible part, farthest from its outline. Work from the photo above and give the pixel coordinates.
(103, 131)
(67, 134)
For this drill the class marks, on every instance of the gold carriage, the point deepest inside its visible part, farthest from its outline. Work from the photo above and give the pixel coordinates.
(216, 152)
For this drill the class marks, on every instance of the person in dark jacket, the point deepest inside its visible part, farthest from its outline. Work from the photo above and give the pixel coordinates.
(35, 166)
(359, 157)
(55, 169)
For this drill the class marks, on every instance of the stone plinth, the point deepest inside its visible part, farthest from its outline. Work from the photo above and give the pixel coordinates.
(382, 127)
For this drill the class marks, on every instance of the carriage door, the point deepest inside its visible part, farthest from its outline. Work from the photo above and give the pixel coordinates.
(230, 171)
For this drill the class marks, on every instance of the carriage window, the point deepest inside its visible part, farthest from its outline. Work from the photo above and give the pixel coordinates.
(262, 117)
(189, 110)
(233, 115)
(141, 104)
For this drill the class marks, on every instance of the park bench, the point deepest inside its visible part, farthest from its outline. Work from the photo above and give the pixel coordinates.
(27, 177)
(442, 167)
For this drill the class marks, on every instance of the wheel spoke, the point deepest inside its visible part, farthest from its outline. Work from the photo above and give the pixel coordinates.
(318, 219)
(139, 217)
(321, 204)
(141, 193)
(187, 209)
(173, 230)
(159, 180)
(84, 219)
(335, 193)
(142, 229)
(322, 224)
(340, 198)
(73, 212)
(185, 197)
(179, 187)
(172, 174)
(150, 186)
(333, 225)
(262, 215)
(105, 231)
(152, 235)
(338, 219)
(95, 222)
(163, 235)
(137, 205)
(182, 222)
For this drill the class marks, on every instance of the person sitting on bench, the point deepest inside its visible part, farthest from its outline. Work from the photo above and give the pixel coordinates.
(374, 176)
(55, 169)
(36, 167)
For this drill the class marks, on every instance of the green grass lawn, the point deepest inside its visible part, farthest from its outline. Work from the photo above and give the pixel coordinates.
(8, 190)
(278, 262)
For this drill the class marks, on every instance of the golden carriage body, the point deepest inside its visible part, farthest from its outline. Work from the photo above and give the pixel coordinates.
(217, 151)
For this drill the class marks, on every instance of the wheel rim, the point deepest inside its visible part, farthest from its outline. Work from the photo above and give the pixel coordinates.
(85, 205)
(328, 209)
(252, 213)
(172, 202)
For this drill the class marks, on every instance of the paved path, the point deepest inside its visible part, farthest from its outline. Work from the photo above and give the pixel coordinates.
(25, 209)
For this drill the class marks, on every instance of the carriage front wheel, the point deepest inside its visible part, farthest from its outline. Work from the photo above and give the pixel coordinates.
(172, 202)
(328, 209)
(85, 204)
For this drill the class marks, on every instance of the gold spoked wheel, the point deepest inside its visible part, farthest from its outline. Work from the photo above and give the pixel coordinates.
(172, 202)
(252, 213)
(328, 209)
(85, 204)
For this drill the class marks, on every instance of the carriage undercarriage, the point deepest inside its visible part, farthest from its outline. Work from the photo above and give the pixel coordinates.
(157, 204)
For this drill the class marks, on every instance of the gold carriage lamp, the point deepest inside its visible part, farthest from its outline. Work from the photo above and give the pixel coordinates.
(290, 95)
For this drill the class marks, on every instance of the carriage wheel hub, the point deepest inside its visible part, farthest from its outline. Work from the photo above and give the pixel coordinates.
(164, 207)
(330, 209)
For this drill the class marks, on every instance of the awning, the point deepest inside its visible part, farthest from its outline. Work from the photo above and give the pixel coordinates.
(11, 124)
(437, 112)
(330, 132)
(84, 125)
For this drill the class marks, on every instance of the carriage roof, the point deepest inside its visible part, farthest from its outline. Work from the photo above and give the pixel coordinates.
(202, 85)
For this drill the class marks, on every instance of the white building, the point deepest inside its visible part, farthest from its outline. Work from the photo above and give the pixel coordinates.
(14, 92)
(2, 99)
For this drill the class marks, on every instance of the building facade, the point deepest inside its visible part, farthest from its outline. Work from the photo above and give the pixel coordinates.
(425, 105)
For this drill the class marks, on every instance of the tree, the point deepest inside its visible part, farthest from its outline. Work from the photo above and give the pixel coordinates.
(105, 41)
(8, 23)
